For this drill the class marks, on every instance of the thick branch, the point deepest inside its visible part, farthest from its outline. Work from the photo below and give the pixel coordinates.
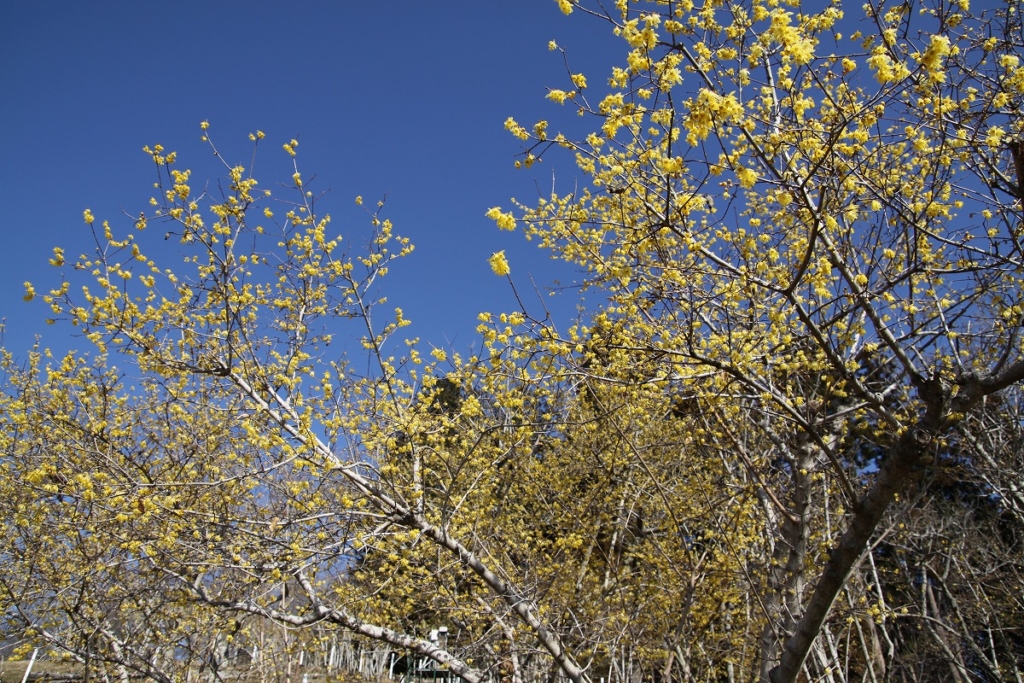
(900, 469)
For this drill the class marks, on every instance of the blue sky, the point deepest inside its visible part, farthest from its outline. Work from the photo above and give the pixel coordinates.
(399, 99)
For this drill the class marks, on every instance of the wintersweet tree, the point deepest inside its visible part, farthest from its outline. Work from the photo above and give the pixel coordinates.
(807, 223)
(802, 252)
(233, 465)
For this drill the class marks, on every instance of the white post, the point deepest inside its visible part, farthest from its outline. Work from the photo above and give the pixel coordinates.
(28, 669)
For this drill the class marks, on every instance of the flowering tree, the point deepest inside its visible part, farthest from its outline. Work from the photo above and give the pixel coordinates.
(815, 234)
(806, 247)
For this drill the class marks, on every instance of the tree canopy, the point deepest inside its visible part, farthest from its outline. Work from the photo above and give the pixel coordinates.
(784, 435)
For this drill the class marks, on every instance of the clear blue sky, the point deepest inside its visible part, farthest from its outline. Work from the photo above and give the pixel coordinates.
(403, 99)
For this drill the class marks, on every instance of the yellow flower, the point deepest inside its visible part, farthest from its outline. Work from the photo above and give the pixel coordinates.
(516, 129)
(558, 96)
(747, 177)
(994, 138)
(932, 60)
(505, 221)
(30, 292)
(794, 44)
(87, 214)
(499, 264)
(204, 125)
